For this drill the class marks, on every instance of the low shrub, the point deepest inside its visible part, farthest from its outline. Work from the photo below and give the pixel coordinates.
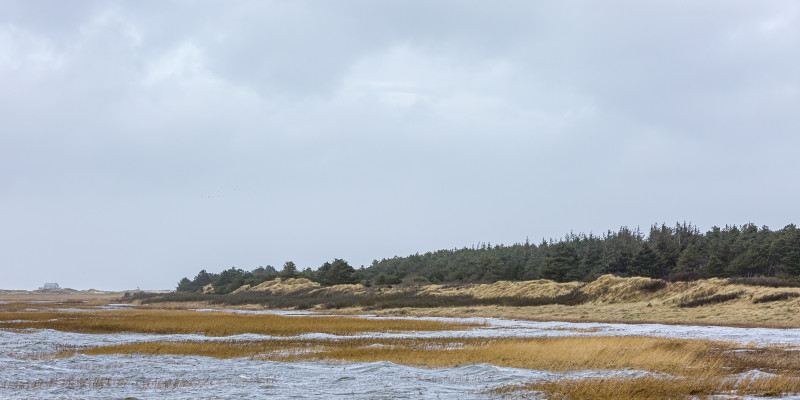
(653, 285)
(371, 301)
(684, 277)
(776, 297)
(702, 301)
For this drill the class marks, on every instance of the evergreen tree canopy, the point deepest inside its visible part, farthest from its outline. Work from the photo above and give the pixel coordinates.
(666, 251)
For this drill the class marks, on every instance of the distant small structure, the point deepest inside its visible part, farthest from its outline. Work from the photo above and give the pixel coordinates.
(52, 285)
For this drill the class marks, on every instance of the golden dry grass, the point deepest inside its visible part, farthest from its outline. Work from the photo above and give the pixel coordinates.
(737, 313)
(285, 286)
(526, 289)
(555, 354)
(657, 387)
(684, 357)
(210, 323)
(291, 286)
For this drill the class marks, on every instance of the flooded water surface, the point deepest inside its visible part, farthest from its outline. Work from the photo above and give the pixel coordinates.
(25, 371)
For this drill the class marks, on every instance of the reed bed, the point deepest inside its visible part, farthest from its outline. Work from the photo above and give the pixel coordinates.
(656, 387)
(214, 323)
(684, 357)
(272, 350)
(555, 354)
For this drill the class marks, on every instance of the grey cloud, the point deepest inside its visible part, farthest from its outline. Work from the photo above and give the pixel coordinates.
(140, 142)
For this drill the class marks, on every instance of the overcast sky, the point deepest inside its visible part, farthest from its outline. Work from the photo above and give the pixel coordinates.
(143, 141)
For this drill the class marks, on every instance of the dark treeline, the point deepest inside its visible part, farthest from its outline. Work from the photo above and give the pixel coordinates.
(679, 252)
(330, 273)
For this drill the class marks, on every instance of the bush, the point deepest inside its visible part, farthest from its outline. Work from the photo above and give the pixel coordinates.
(653, 285)
(776, 297)
(684, 277)
(702, 301)
(382, 279)
(304, 300)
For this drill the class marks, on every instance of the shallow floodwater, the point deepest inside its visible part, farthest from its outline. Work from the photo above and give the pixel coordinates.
(205, 377)
(139, 376)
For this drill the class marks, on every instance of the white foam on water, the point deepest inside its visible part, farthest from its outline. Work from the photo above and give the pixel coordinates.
(139, 376)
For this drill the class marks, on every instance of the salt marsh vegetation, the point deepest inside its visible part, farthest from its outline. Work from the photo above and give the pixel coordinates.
(685, 357)
(211, 323)
(80, 350)
(654, 387)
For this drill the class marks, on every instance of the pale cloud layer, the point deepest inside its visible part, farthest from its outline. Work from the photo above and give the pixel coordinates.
(143, 141)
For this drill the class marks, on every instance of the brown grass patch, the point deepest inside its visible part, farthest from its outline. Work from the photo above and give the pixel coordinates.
(671, 356)
(657, 387)
(212, 323)
(528, 289)
(286, 287)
